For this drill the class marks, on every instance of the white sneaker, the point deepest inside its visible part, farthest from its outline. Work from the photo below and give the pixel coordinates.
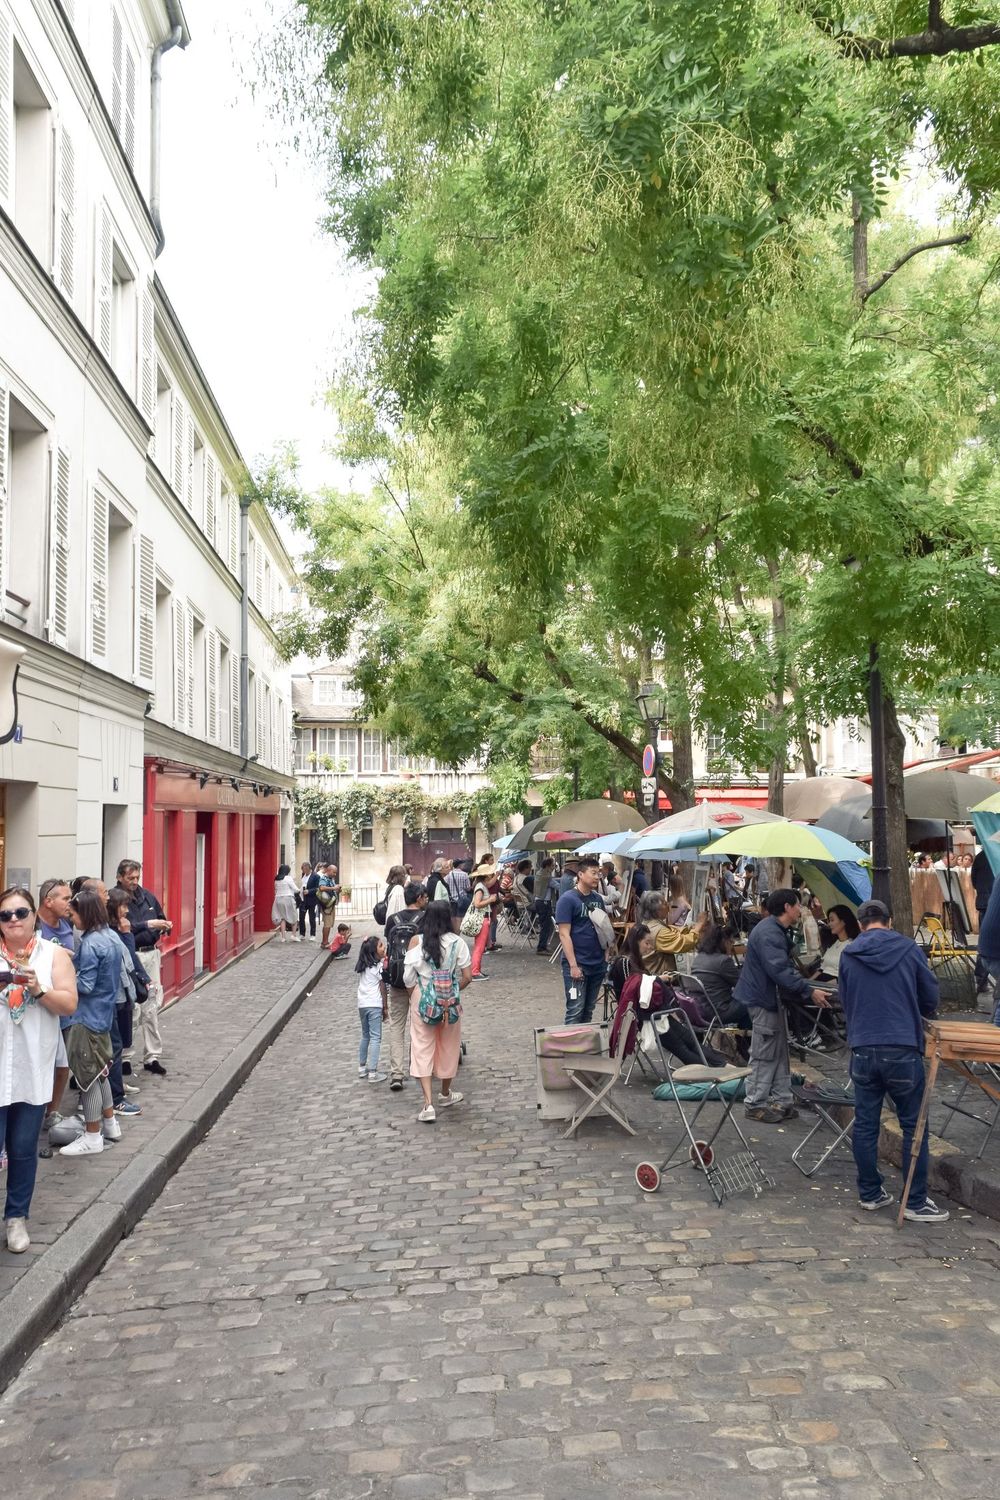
(88, 1144)
(130, 1088)
(453, 1098)
(112, 1130)
(362, 1072)
(427, 1116)
(377, 1077)
(17, 1236)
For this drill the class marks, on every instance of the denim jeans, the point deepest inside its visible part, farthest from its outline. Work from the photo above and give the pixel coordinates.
(876, 1072)
(370, 1017)
(19, 1128)
(993, 970)
(117, 1048)
(587, 990)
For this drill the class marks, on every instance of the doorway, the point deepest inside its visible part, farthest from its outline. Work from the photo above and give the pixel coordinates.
(199, 903)
(114, 841)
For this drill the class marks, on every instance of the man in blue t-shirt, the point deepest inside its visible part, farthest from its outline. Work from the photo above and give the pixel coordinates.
(583, 962)
(54, 923)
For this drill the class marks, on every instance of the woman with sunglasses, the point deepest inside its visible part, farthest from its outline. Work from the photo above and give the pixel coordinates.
(37, 986)
(89, 1046)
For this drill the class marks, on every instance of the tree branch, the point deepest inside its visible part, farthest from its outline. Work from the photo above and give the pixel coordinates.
(951, 239)
(931, 43)
(934, 22)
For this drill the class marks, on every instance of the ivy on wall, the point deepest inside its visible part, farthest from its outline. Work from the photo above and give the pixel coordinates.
(360, 805)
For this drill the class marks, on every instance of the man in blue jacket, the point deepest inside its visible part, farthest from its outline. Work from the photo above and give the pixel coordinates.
(767, 968)
(886, 988)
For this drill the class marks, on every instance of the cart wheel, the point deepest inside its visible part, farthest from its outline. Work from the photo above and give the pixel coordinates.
(647, 1176)
(701, 1154)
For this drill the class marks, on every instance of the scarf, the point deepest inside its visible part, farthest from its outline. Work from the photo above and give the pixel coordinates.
(17, 997)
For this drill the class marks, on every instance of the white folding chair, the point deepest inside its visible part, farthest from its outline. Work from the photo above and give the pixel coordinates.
(597, 1076)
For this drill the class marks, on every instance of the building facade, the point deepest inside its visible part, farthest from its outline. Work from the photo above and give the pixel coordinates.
(154, 710)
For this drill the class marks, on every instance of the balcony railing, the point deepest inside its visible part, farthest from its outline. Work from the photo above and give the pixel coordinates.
(433, 782)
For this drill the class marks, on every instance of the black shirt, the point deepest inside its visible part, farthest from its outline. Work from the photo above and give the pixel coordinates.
(144, 908)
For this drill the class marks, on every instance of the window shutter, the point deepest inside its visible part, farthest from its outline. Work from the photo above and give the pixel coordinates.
(147, 371)
(145, 626)
(59, 549)
(212, 681)
(177, 436)
(234, 699)
(64, 267)
(99, 575)
(180, 676)
(234, 535)
(211, 483)
(128, 139)
(188, 494)
(102, 308)
(189, 668)
(6, 109)
(117, 71)
(258, 575)
(4, 466)
(259, 741)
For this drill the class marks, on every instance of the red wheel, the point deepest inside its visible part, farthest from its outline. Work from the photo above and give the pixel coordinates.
(701, 1154)
(647, 1176)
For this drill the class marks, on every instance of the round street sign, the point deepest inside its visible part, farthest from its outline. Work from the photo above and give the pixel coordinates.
(648, 760)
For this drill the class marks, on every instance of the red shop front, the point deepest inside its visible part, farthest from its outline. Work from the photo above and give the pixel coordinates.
(210, 852)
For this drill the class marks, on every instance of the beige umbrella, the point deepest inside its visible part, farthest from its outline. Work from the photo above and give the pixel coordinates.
(811, 797)
(594, 815)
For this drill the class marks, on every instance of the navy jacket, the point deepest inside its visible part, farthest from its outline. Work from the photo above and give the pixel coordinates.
(989, 929)
(768, 966)
(886, 987)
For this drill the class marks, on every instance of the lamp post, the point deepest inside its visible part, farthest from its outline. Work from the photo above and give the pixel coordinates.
(652, 710)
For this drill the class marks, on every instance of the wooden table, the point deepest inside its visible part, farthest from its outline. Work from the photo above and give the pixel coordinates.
(956, 1044)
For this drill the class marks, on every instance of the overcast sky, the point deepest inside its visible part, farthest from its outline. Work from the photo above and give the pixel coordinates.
(263, 294)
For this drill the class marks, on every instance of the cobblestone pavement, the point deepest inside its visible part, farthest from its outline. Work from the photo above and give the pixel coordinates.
(199, 1032)
(331, 1301)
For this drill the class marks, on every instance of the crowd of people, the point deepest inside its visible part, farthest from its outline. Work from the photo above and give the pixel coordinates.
(80, 996)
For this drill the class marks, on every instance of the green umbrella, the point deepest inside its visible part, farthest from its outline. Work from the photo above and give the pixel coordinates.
(789, 841)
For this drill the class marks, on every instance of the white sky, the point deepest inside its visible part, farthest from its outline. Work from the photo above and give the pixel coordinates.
(263, 294)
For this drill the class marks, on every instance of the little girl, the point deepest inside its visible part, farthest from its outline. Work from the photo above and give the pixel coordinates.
(373, 1006)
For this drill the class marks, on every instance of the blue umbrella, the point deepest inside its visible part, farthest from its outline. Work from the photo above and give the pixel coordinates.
(666, 845)
(511, 856)
(610, 843)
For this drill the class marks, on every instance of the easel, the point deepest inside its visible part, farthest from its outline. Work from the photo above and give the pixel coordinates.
(956, 1044)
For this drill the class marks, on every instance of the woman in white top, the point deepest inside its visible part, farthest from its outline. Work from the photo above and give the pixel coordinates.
(435, 1050)
(37, 986)
(394, 887)
(284, 912)
(844, 926)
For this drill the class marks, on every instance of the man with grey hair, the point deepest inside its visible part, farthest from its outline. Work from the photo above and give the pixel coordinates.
(437, 888)
(148, 924)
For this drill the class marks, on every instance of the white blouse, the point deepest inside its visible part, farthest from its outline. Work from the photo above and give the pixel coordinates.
(28, 1047)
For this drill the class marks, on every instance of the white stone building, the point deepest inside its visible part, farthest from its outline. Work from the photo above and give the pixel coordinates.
(121, 565)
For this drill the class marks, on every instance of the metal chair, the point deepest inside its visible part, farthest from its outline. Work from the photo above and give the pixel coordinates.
(597, 1076)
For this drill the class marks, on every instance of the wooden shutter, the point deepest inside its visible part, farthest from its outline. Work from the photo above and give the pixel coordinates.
(99, 574)
(117, 71)
(258, 574)
(211, 474)
(180, 676)
(234, 700)
(177, 416)
(259, 703)
(64, 263)
(104, 276)
(212, 683)
(147, 357)
(145, 608)
(4, 472)
(6, 110)
(59, 521)
(189, 668)
(234, 535)
(188, 493)
(128, 122)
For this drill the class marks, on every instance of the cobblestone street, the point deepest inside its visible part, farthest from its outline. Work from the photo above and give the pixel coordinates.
(330, 1300)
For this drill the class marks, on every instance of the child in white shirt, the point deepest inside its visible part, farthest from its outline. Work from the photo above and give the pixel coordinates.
(373, 1006)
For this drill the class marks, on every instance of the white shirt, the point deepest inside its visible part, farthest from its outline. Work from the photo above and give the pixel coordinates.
(418, 965)
(395, 901)
(369, 993)
(28, 1047)
(831, 958)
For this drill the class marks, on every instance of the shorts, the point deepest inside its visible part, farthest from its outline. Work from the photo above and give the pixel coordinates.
(62, 1061)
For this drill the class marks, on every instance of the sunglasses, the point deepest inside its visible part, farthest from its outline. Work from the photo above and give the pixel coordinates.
(17, 915)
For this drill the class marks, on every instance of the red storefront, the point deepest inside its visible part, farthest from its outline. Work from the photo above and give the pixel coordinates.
(210, 852)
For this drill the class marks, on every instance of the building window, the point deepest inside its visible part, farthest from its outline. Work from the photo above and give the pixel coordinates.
(324, 691)
(339, 746)
(32, 145)
(124, 324)
(367, 837)
(371, 750)
(303, 749)
(391, 758)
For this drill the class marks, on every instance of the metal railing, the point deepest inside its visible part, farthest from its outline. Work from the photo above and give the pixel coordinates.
(362, 900)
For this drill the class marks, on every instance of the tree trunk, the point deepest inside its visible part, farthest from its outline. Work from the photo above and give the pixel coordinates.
(776, 770)
(680, 784)
(899, 865)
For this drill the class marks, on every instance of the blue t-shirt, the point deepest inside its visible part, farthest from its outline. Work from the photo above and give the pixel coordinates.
(64, 936)
(574, 909)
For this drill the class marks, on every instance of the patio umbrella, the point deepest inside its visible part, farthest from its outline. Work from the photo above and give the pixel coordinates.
(813, 796)
(986, 821)
(719, 817)
(789, 841)
(853, 820)
(951, 795)
(505, 842)
(836, 882)
(595, 815)
(992, 804)
(609, 843)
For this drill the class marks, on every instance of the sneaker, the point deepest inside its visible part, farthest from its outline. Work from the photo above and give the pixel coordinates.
(763, 1114)
(788, 1111)
(87, 1144)
(127, 1107)
(377, 1077)
(882, 1201)
(17, 1236)
(362, 1071)
(395, 1084)
(155, 1067)
(126, 1070)
(480, 976)
(427, 1116)
(927, 1213)
(111, 1129)
(130, 1088)
(453, 1098)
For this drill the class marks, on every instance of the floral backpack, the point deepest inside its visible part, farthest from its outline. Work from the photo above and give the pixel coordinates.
(439, 994)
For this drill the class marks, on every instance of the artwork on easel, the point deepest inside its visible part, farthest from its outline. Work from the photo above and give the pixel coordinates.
(627, 893)
(699, 891)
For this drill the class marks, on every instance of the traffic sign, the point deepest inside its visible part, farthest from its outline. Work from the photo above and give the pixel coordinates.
(648, 760)
(647, 792)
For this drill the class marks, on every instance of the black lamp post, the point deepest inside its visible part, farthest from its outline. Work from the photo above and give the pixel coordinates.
(650, 701)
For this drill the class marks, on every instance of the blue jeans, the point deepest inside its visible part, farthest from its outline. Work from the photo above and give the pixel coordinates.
(370, 1017)
(876, 1072)
(587, 990)
(19, 1128)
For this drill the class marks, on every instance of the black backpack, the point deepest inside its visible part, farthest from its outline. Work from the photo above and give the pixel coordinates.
(402, 934)
(381, 909)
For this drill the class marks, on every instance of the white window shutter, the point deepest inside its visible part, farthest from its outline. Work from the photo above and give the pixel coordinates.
(128, 138)
(99, 575)
(145, 604)
(103, 274)
(64, 267)
(6, 110)
(117, 72)
(188, 494)
(212, 683)
(59, 521)
(4, 472)
(177, 416)
(234, 535)
(258, 575)
(234, 700)
(211, 474)
(189, 667)
(180, 676)
(147, 357)
(259, 740)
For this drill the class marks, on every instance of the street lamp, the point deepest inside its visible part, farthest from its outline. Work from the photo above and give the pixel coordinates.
(651, 702)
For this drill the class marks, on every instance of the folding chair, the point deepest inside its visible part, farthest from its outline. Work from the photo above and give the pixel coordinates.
(597, 1076)
(958, 1108)
(717, 1028)
(820, 1101)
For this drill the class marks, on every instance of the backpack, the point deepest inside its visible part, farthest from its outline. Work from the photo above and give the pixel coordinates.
(326, 895)
(381, 909)
(399, 940)
(439, 995)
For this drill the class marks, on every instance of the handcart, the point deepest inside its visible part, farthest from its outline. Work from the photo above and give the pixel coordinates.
(735, 1174)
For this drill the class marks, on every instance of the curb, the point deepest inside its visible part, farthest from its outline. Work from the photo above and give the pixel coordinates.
(44, 1294)
(949, 1171)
